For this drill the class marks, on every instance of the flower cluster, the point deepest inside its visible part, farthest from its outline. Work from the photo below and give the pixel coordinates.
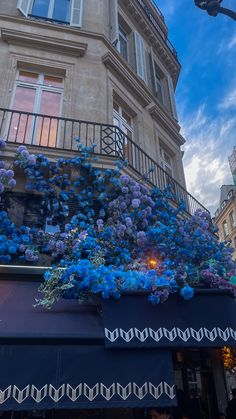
(15, 242)
(116, 234)
(6, 174)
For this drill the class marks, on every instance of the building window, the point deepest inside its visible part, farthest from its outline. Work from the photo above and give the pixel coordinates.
(65, 11)
(36, 93)
(225, 229)
(167, 162)
(232, 219)
(158, 80)
(122, 45)
(52, 9)
(163, 86)
(123, 120)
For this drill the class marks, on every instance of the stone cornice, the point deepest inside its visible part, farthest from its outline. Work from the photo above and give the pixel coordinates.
(162, 117)
(53, 44)
(122, 70)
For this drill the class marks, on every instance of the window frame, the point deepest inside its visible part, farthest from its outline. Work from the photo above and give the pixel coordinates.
(26, 7)
(225, 228)
(128, 147)
(232, 219)
(121, 120)
(122, 33)
(165, 164)
(39, 88)
(50, 11)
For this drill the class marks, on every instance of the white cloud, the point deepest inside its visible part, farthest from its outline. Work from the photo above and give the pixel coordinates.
(232, 42)
(209, 143)
(229, 101)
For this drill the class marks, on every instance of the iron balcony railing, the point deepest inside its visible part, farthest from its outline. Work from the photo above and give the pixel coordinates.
(53, 132)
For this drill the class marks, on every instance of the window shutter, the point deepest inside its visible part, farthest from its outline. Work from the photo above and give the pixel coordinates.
(114, 24)
(140, 57)
(153, 72)
(76, 13)
(23, 6)
(172, 97)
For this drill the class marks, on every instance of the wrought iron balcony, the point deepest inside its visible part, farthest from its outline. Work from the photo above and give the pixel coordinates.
(50, 132)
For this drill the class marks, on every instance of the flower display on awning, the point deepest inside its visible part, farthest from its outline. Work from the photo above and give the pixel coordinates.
(121, 234)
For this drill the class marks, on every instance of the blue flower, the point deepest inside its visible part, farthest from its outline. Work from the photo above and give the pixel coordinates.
(187, 292)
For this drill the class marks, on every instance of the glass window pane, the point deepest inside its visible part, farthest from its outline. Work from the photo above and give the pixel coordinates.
(61, 10)
(123, 47)
(50, 103)
(24, 99)
(115, 121)
(22, 126)
(40, 8)
(116, 107)
(126, 118)
(167, 158)
(28, 76)
(53, 81)
(47, 129)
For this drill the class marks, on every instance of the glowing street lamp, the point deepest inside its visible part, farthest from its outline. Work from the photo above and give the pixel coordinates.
(213, 8)
(153, 263)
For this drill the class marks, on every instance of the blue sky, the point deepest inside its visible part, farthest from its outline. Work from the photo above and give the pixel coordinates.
(206, 94)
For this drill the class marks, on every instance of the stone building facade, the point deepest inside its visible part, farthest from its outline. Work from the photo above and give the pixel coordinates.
(104, 61)
(225, 216)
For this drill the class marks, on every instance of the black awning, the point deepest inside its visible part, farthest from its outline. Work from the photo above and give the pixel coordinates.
(65, 320)
(208, 319)
(85, 376)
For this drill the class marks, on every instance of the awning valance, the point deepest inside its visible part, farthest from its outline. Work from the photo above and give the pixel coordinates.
(72, 377)
(208, 319)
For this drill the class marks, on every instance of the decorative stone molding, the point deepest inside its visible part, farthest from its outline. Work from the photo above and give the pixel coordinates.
(168, 123)
(76, 49)
(128, 77)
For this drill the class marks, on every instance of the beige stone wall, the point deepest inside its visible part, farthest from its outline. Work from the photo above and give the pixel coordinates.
(224, 215)
(91, 82)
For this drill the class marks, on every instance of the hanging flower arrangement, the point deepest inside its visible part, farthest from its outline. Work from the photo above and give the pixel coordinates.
(122, 236)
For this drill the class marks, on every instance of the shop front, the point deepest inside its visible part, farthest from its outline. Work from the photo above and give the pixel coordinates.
(111, 359)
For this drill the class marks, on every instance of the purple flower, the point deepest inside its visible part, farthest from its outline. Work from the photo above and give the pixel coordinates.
(1, 188)
(21, 148)
(25, 154)
(9, 173)
(30, 256)
(123, 206)
(128, 222)
(12, 183)
(125, 189)
(124, 179)
(31, 159)
(135, 203)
